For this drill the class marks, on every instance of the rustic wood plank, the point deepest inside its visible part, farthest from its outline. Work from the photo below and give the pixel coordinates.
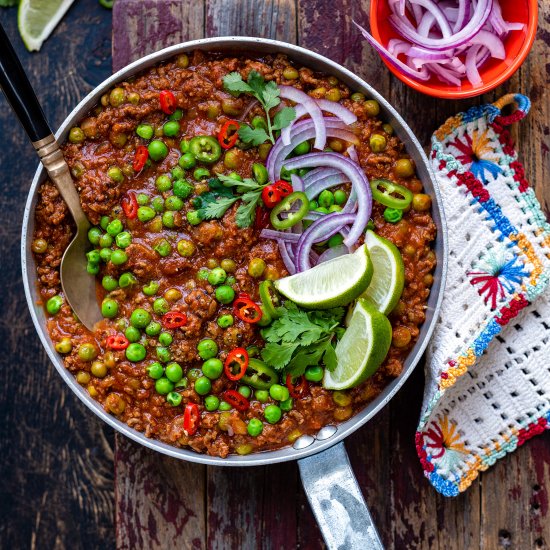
(55, 457)
(144, 26)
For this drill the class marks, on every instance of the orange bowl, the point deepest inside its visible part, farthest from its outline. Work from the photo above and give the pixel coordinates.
(493, 72)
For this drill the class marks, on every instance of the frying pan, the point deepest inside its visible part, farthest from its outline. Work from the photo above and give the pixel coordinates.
(327, 477)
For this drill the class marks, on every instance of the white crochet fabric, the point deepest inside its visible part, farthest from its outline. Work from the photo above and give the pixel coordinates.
(488, 368)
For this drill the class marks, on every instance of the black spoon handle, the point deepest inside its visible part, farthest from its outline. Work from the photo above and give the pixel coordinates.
(19, 92)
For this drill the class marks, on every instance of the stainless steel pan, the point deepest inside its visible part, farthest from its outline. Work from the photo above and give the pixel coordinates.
(326, 474)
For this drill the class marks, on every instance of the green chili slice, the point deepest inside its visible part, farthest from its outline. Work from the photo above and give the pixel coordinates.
(205, 149)
(270, 298)
(286, 207)
(259, 375)
(390, 194)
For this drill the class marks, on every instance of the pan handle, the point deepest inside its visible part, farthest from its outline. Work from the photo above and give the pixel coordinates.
(337, 501)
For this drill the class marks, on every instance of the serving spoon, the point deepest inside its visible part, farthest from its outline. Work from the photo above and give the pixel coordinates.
(78, 286)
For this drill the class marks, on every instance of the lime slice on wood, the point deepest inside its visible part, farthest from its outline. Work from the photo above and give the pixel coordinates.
(37, 19)
(330, 284)
(388, 277)
(362, 349)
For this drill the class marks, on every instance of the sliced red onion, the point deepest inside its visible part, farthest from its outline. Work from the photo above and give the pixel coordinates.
(302, 131)
(249, 108)
(471, 66)
(332, 253)
(279, 235)
(338, 110)
(325, 183)
(286, 131)
(314, 111)
(435, 10)
(352, 152)
(297, 183)
(358, 180)
(319, 231)
(313, 175)
(463, 14)
(490, 41)
(286, 256)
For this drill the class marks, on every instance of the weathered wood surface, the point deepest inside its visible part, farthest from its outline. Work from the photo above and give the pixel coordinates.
(56, 462)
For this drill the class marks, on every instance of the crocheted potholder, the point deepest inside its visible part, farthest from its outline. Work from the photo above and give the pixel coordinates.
(488, 373)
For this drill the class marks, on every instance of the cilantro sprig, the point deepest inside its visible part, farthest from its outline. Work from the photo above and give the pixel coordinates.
(299, 339)
(267, 93)
(224, 191)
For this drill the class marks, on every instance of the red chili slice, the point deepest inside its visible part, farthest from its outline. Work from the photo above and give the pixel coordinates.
(117, 342)
(140, 158)
(246, 310)
(130, 205)
(298, 388)
(283, 187)
(174, 319)
(168, 102)
(270, 196)
(228, 136)
(262, 218)
(191, 419)
(236, 364)
(236, 400)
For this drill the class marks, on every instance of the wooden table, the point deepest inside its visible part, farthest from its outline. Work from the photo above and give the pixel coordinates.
(59, 488)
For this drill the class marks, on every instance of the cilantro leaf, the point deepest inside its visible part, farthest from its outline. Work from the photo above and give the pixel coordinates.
(256, 82)
(254, 136)
(270, 96)
(217, 188)
(216, 208)
(284, 117)
(278, 355)
(329, 358)
(247, 210)
(234, 84)
(247, 183)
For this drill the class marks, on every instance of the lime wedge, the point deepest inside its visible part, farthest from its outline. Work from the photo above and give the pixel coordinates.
(37, 19)
(330, 284)
(362, 349)
(388, 278)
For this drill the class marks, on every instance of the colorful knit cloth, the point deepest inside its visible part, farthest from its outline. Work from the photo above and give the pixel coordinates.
(488, 365)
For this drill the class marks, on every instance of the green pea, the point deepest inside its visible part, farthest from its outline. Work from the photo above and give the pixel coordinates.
(157, 150)
(143, 199)
(109, 308)
(278, 392)
(201, 173)
(272, 414)
(118, 257)
(176, 115)
(184, 146)
(261, 395)
(393, 215)
(135, 352)
(168, 219)
(322, 209)
(340, 197)
(335, 240)
(259, 172)
(358, 97)
(207, 349)
(158, 204)
(211, 403)
(217, 276)
(183, 383)
(182, 188)
(133, 334)
(212, 368)
(92, 268)
(194, 217)
(202, 274)
(163, 354)
(115, 174)
(140, 318)
(163, 183)
(372, 107)
(404, 168)
(105, 241)
(171, 128)
(290, 73)
(256, 267)
(173, 372)
(53, 305)
(127, 279)
(173, 203)
(145, 131)
(187, 161)
(151, 288)
(104, 222)
(314, 374)
(225, 321)
(64, 346)
(164, 386)
(117, 97)
(105, 254)
(109, 283)
(76, 135)
(87, 351)
(421, 202)
(255, 427)
(155, 370)
(163, 248)
(94, 234)
(114, 228)
(203, 385)
(145, 213)
(194, 374)
(245, 391)
(225, 294)
(377, 143)
(174, 399)
(224, 406)
(177, 173)
(186, 248)
(124, 239)
(326, 199)
(153, 329)
(302, 148)
(161, 306)
(121, 324)
(232, 159)
(93, 256)
(286, 405)
(259, 122)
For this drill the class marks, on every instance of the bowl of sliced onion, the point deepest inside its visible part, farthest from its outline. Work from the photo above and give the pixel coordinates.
(452, 48)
